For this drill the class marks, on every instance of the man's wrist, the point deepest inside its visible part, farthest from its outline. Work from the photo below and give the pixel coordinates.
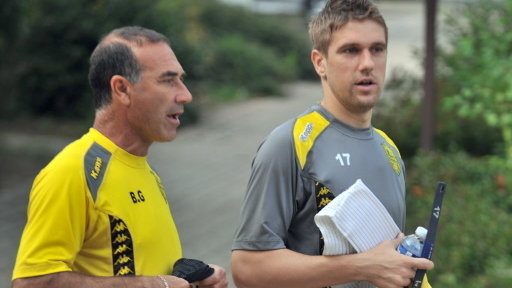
(164, 282)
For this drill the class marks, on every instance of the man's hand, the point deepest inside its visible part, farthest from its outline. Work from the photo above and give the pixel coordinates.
(389, 268)
(216, 280)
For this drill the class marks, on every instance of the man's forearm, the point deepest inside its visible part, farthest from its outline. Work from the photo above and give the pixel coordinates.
(78, 280)
(383, 266)
(285, 268)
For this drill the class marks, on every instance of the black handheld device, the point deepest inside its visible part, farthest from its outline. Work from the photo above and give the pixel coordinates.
(428, 246)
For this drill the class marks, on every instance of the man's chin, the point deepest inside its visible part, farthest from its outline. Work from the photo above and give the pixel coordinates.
(365, 106)
(367, 102)
(167, 138)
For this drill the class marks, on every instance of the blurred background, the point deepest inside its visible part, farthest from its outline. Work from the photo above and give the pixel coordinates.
(248, 68)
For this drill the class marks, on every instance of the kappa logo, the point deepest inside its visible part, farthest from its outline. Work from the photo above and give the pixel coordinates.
(120, 227)
(323, 195)
(95, 172)
(307, 131)
(123, 257)
(122, 249)
(121, 238)
(125, 270)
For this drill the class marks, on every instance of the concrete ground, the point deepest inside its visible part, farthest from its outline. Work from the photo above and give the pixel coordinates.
(205, 170)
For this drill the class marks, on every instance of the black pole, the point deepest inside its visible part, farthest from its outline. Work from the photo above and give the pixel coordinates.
(429, 97)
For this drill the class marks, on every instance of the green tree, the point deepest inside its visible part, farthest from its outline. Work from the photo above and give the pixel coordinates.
(477, 71)
(473, 241)
(229, 48)
(56, 39)
(9, 21)
(49, 42)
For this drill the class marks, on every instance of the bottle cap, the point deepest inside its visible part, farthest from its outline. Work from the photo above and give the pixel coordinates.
(421, 232)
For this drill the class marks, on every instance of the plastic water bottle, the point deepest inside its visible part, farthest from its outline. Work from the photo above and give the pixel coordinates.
(412, 245)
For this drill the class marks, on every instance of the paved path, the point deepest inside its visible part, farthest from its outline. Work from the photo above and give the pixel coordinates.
(205, 170)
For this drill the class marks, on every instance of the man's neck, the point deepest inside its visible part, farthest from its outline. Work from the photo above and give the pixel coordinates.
(115, 129)
(357, 120)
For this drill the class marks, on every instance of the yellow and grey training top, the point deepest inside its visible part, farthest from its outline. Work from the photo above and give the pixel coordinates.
(301, 166)
(98, 210)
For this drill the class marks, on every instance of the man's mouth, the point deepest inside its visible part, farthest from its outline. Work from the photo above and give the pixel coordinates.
(175, 116)
(365, 83)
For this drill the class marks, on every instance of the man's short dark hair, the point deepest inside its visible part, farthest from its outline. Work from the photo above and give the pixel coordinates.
(337, 13)
(114, 56)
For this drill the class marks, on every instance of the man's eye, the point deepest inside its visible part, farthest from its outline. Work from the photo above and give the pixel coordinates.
(378, 49)
(351, 50)
(167, 80)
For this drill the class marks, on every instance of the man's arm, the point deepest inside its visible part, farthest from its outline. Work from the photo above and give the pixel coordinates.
(77, 280)
(383, 266)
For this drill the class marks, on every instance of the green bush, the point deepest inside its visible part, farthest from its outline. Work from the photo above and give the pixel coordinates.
(9, 21)
(287, 38)
(231, 50)
(473, 85)
(473, 240)
(399, 115)
(398, 112)
(46, 71)
(55, 40)
(259, 69)
(477, 67)
(473, 82)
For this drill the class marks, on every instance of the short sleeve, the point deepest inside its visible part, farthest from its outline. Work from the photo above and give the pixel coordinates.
(56, 221)
(268, 207)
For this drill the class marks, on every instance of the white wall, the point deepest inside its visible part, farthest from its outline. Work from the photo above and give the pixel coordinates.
(269, 6)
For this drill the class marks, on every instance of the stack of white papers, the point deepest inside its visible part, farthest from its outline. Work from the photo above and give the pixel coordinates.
(355, 221)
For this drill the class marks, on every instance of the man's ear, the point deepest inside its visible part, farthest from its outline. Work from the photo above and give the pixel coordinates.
(319, 62)
(120, 87)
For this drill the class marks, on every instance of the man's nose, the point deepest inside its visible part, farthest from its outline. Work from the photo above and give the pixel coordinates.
(367, 62)
(184, 95)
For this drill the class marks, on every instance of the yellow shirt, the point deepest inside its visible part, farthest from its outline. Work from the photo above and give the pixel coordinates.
(98, 210)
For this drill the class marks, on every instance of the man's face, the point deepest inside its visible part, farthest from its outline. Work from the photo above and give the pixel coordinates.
(353, 70)
(159, 95)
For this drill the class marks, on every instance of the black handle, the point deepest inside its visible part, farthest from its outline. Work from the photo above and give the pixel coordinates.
(428, 246)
